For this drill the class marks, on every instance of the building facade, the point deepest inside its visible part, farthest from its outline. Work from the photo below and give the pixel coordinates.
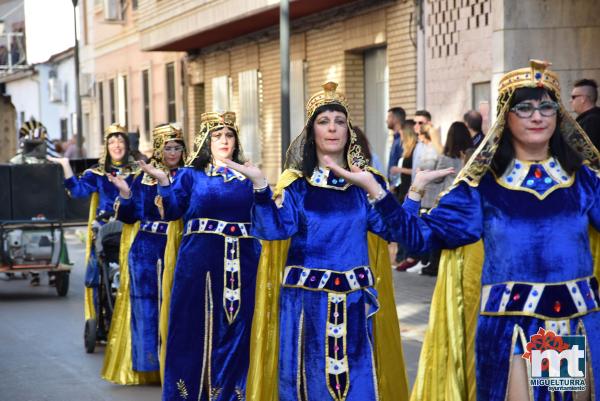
(232, 62)
(470, 44)
(120, 83)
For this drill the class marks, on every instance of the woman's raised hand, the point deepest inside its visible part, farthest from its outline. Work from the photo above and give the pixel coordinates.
(424, 177)
(121, 185)
(356, 176)
(64, 162)
(251, 172)
(161, 176)
(57, 160)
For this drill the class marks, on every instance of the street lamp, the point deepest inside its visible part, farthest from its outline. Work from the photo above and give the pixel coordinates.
(77, 94)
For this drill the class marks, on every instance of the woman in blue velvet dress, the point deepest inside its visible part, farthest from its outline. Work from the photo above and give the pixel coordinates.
(527, 194)
(328, 296)
(212, 298)
(145, 265)
(115, 161)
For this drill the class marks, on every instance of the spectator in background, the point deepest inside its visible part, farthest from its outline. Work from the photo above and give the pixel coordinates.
(424, 157)
(58, 146)
(396, 117)
(134, 140)
(409, 124)
(364, 142)
(71, 150)
(458, 142)
(583, 101)
(473, 120)
(404, 168)
(423, 117)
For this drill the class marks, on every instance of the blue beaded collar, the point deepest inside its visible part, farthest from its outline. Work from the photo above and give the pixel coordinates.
(325, 178)
(538, 178)
(225, 172)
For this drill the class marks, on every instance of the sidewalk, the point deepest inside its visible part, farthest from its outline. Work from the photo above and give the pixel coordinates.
(413, 298)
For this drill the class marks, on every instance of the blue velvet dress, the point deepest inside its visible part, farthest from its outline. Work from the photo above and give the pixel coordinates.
(327, 299)
(146, 259)
(212, 300)
(538, 267)
(95, 181)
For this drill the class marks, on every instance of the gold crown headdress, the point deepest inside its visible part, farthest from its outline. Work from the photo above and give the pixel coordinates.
(161, 135)
(211, 121)
(536, 75)
(114, 129)
(328, 95)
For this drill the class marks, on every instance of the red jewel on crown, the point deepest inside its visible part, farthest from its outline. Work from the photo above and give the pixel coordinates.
(537, 173)
(516, 297)
(337, 281)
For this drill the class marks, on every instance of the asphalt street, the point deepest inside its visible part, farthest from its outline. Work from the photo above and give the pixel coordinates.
(42, 357)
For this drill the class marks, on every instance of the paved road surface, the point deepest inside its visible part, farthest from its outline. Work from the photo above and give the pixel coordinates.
(41, 348)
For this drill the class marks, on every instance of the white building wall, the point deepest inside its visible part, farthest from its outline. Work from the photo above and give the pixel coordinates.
(24, 94)
(31, 97)
(564, 32)
(53, 112)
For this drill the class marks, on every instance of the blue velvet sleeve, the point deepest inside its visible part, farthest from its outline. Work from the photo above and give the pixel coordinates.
(270, 222)
(176, 196)
(131, 210)
(456, 221)
(592, 183)
(83, 186)
(376, 224)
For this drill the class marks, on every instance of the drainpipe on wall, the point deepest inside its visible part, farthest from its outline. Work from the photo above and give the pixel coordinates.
(284, 54)
(39, 91)
(420, 11)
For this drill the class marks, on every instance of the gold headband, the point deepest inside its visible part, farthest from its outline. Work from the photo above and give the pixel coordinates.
(161, 135)
(328, 95)
(211, 121)
(114, 129)
(165, 133)
(535, 76)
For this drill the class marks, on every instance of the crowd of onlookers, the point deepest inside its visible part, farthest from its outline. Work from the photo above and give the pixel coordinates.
(417, 145)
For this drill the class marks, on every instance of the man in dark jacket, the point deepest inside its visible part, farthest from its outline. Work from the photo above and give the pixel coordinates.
(583, 100)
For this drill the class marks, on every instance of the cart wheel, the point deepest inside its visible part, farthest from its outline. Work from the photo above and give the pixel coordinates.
(62, 283)
(89, 335)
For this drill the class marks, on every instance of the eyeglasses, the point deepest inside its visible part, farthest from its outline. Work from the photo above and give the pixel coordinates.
(216, 136)
(173, 149)
(526, 110)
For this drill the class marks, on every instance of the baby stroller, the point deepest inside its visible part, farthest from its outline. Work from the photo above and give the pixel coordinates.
(103, 276)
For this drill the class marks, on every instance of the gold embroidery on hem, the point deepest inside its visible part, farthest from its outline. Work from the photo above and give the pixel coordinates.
(240, 393)
(300, 355)
(215, 392)
(182, 389)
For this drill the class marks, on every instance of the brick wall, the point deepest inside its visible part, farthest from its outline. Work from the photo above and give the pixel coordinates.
(458, 54)
(332, 46)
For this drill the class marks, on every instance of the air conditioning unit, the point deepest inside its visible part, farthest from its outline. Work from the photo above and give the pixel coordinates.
(113, 10)
(55, 90)
(86, 85)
